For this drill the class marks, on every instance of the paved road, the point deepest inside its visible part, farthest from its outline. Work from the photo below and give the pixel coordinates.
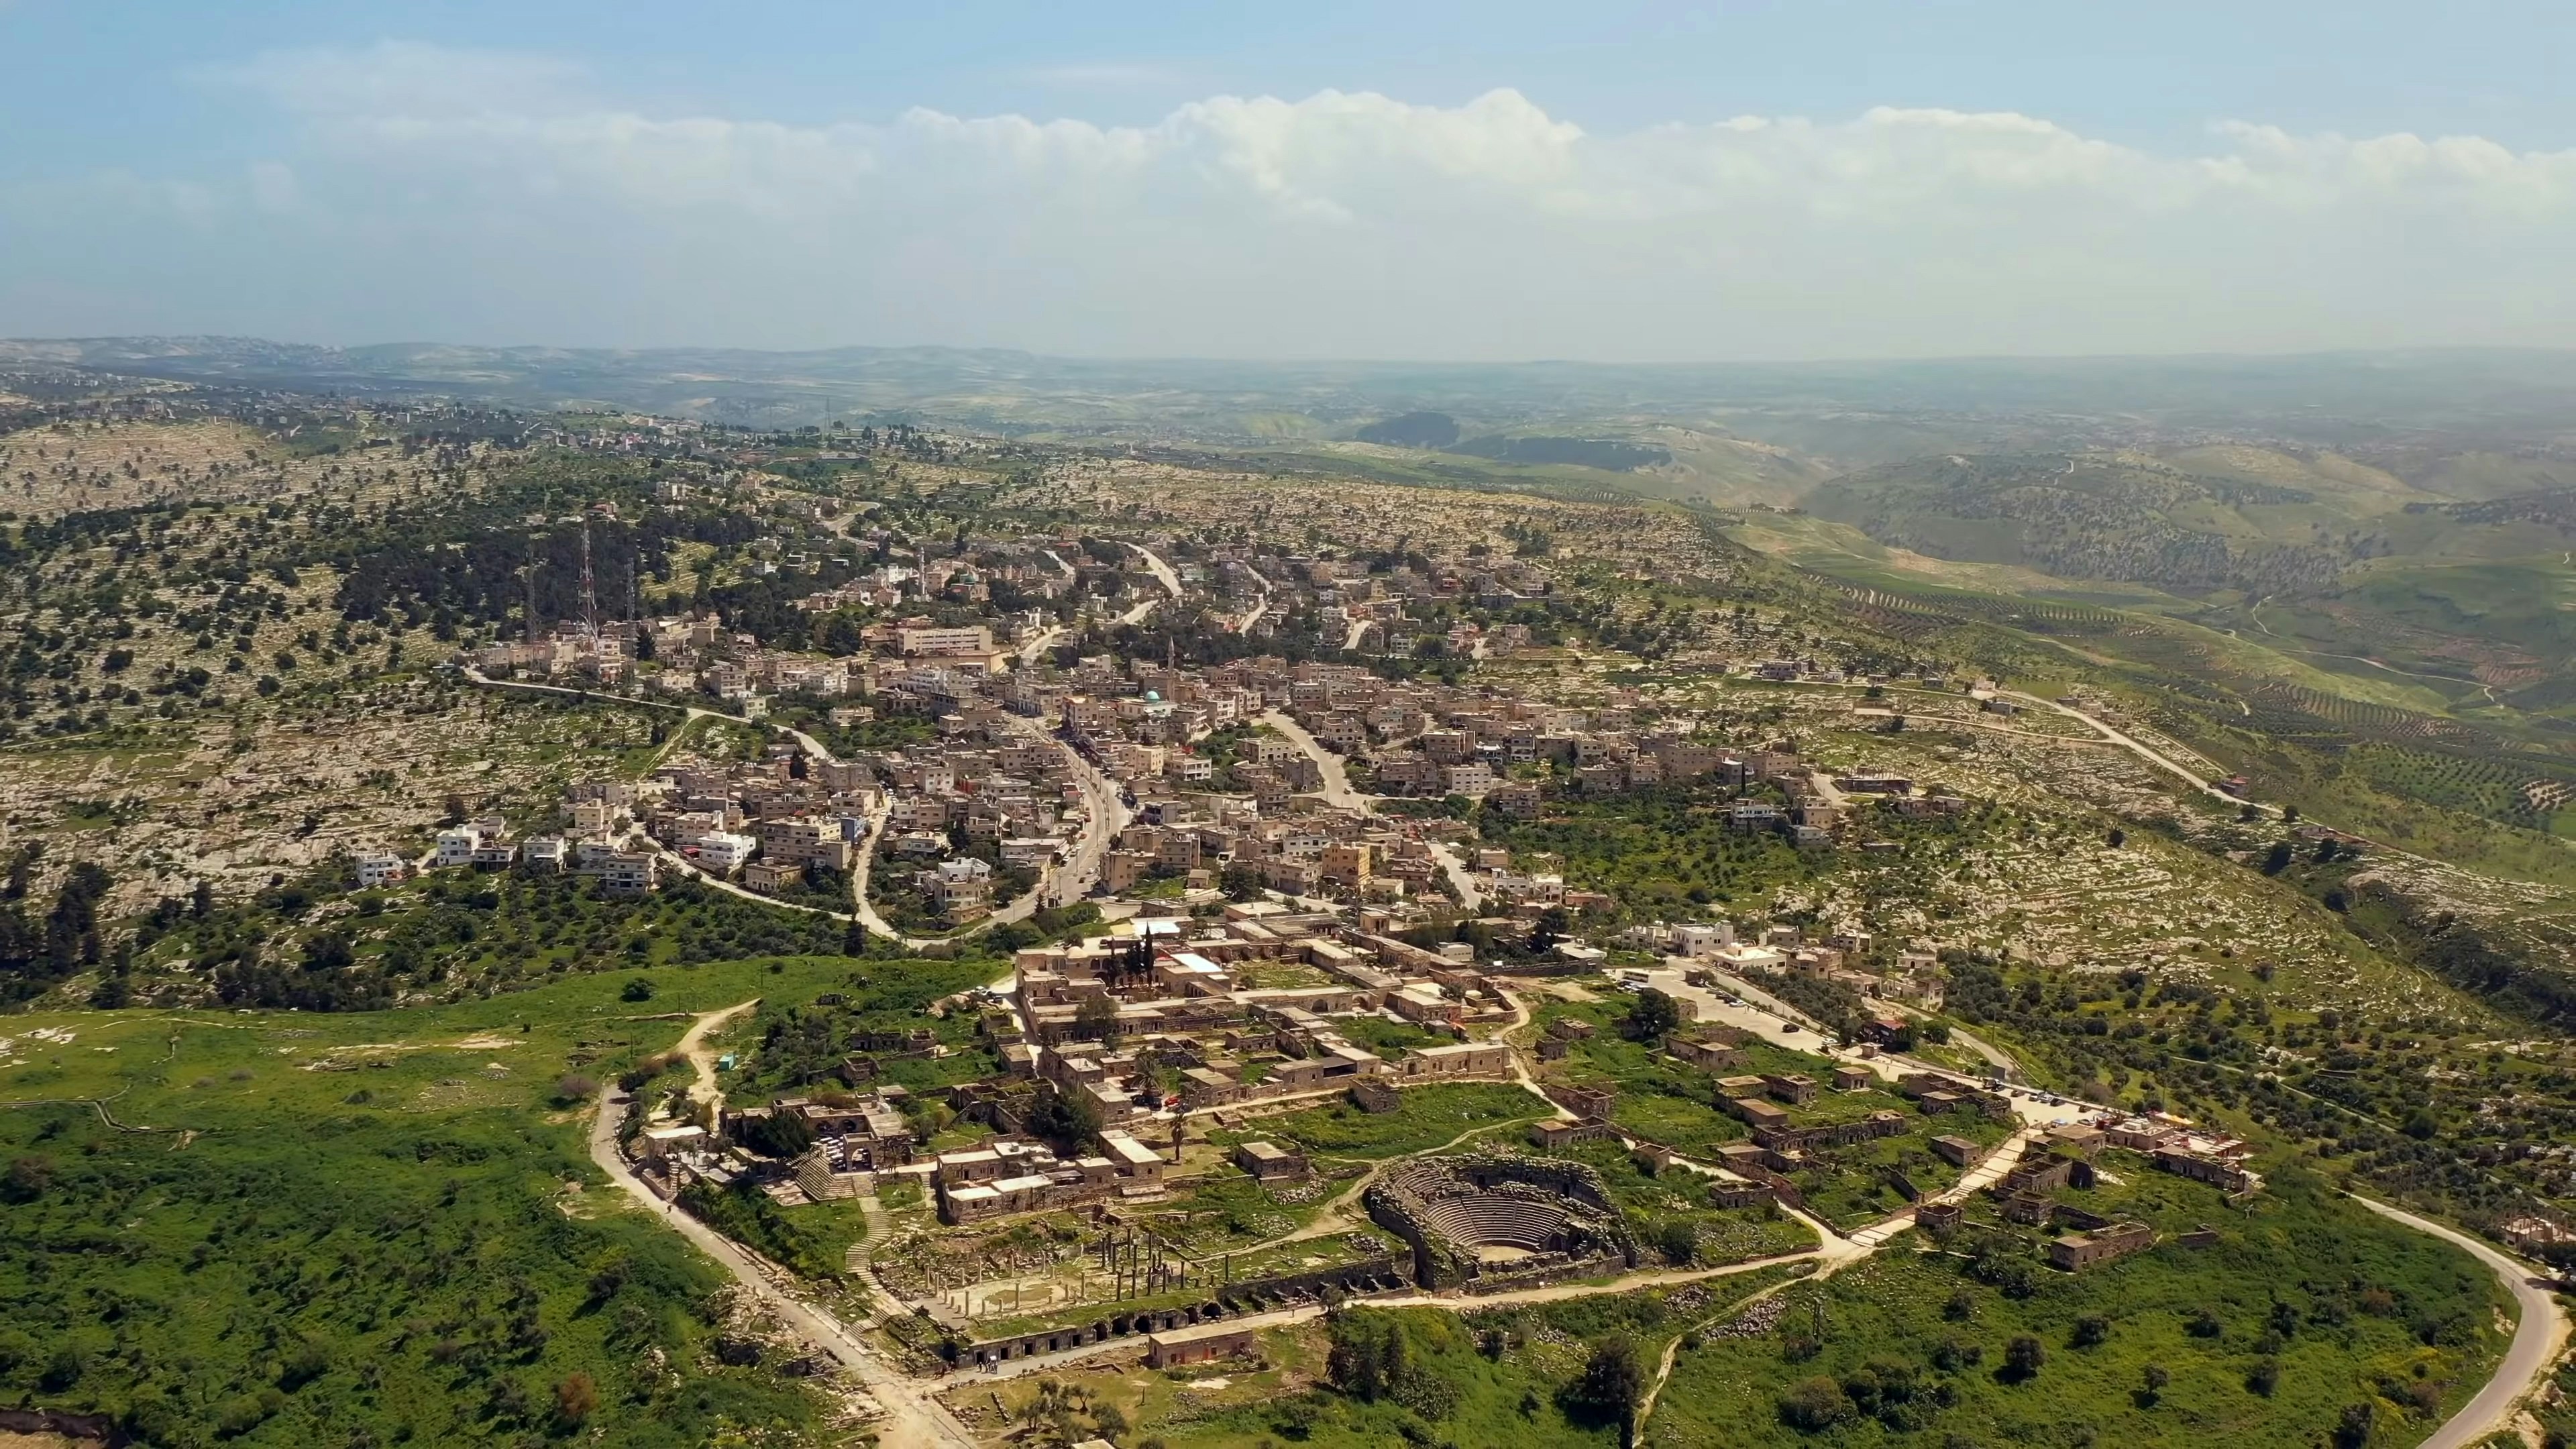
(1337, 778)
(1462, 880)
(1162, 571)
(1108, 810)
(1253, 615)
(1341, 794)
(1040, 643)
(2537, 1340)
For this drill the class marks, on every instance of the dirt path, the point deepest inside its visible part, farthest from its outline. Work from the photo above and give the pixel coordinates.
(1673, 1347)
(1520, 1064)
(914, 1419)
(703, 1057)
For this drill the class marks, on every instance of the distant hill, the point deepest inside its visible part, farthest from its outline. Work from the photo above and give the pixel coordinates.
(2555, 507)
(1413, 430)
(2089, 516)
(2496, 418)
(1439, 431)
(1600, 453)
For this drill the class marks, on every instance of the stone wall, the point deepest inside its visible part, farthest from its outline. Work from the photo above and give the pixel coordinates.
(1374, 1275)
(1399, 1202)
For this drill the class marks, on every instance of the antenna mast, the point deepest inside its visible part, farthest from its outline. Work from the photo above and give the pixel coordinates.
(589, 596)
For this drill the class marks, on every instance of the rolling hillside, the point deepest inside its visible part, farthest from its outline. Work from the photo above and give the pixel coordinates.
(2126, 517)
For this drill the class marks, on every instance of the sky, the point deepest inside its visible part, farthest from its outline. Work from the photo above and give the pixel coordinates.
(1764, 179)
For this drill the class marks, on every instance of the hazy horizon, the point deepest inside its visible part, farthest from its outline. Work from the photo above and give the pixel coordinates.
(1322, 360)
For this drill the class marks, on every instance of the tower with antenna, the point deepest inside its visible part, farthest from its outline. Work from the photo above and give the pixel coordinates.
(589, 595)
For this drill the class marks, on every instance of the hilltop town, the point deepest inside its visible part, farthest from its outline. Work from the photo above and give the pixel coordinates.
(1122, 915)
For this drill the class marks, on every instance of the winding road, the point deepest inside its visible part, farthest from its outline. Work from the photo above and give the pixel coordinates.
(2537, 1340)
(1341, 794)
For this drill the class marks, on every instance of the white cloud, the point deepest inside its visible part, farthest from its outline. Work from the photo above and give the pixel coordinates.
(504, 189)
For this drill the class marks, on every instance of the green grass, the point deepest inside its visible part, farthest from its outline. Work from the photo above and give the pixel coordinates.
(1389, 1039)
(1230, 1210)
(411, 1245)
(1668, 1102)
(1428, 1118)
(2339, 1342)
(1650, 1202)
(1487, 1377)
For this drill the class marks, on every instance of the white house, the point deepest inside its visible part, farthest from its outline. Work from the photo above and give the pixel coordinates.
(1700, 939)
(721, 850)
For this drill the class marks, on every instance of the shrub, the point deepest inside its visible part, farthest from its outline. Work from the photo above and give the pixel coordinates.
(1678, 1241)
(575, 1399)
(1612, 1383)
(1815, 1403)
(307, 1361)
(2023, 1358)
